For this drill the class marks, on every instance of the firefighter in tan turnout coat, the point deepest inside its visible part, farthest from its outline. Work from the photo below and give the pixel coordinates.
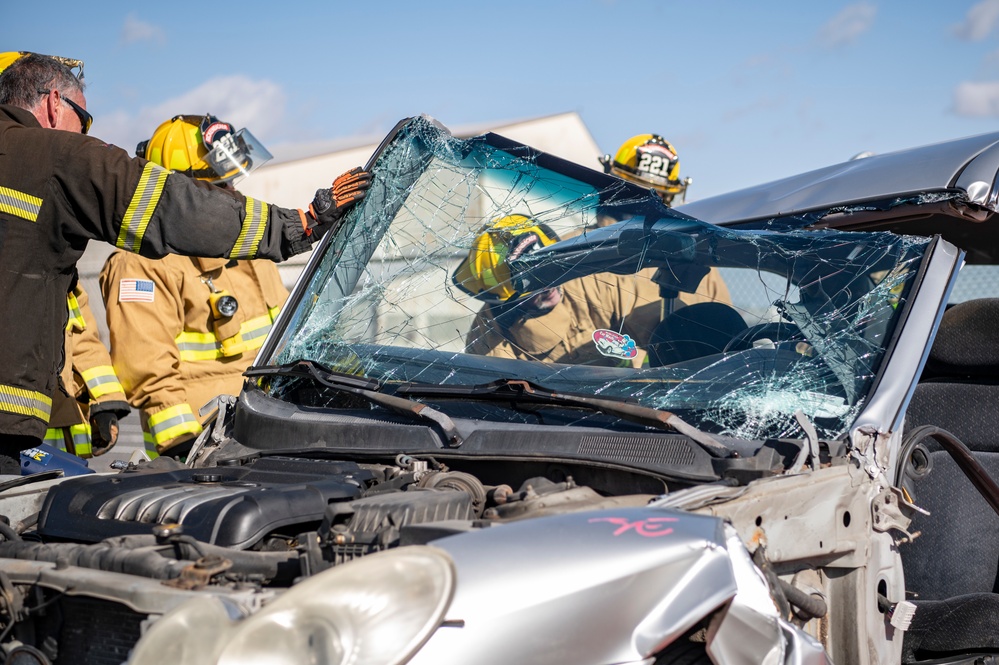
(184, 329)
(85, 422)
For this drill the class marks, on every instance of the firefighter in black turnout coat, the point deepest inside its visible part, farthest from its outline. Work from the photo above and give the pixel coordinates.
(61, 189)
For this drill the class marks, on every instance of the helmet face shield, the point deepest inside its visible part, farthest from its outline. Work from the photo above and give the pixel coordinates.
(205, 148)
(233, 156)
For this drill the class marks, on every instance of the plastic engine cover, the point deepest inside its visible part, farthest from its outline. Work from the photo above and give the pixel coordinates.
(227, 506)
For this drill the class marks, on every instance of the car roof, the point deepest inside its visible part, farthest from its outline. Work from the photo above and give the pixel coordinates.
(946, 188)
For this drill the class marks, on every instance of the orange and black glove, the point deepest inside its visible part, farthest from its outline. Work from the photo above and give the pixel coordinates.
(330, 205)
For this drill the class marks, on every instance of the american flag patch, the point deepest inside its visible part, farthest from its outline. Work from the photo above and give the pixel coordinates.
(135, 290)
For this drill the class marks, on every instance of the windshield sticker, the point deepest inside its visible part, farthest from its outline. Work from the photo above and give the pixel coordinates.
(650, 527)
(614, 345)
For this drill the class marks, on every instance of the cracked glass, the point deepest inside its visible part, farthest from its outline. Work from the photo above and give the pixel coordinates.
(474, 261)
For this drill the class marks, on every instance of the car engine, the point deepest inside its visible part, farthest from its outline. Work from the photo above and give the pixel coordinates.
(243, 530)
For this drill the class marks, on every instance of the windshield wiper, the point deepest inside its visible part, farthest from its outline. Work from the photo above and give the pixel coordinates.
(525, 391)
(366, 388)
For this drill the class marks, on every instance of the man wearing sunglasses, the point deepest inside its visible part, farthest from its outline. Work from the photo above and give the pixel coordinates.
(61, 189)
(50, 112)
(84, 427)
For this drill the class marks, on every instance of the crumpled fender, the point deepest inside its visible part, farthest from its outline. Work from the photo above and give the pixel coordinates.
(611, 586)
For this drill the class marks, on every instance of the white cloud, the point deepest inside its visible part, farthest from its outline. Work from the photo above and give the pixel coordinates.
(258, 105)
(848, 25)
(135, 30)
(980, 20)
(977, 99)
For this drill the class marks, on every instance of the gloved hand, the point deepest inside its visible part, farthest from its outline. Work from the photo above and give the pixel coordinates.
(103, 431)
(330, 205)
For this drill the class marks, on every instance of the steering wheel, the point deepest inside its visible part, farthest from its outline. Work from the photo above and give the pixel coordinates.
(779, 332)
(786, 334)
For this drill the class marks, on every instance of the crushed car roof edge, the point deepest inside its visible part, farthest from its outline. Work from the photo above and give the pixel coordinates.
(968, 165)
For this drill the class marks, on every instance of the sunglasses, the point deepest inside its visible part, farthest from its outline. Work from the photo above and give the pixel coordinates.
(86, 120)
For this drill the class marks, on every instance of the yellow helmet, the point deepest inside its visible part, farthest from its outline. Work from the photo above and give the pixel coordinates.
(10, 57)
(651, 161)
(485, 273)
(203, 147)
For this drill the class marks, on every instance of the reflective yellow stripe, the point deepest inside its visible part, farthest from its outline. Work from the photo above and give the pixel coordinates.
(273, 313)
(54, 437)
(101, 381)
(150, 445)
(172, 422)
(79, 434)
(141, 207)
(82, 446)
(19, 204)
(255, 330)
(254, 223)
(195, 346)
(25, 402)
(75, 315)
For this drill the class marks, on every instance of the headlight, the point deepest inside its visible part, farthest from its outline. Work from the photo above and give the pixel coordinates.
(378, 610)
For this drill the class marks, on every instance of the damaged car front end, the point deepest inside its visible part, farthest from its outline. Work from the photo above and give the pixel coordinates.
(519, 411)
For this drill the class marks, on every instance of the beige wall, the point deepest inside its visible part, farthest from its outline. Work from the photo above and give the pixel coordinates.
(292, 184)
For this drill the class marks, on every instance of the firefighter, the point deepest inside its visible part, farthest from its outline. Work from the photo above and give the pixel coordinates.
(651, 161)
(184, 329)
(85, 422)
(553, 324)
(61, 189)
(599, 319)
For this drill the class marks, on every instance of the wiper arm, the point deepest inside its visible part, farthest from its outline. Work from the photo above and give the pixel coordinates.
(520, 390)
(310, 369)
(366, 388)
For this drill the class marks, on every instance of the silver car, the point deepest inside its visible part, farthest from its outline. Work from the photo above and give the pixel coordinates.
(519, 411)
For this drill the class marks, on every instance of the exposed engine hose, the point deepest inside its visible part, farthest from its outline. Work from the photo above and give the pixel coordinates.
(99, 556)
(269, 565)
(8, 532)
(140, 555)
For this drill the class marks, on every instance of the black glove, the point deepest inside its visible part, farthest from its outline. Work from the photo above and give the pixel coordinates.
(330, 205)
(103, 431)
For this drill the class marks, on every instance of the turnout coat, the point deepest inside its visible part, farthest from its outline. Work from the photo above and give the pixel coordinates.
(58, 191)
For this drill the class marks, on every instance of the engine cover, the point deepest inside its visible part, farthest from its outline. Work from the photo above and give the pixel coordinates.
(227, 506)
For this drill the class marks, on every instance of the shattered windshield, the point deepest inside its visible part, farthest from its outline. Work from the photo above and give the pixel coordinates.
(482, 260)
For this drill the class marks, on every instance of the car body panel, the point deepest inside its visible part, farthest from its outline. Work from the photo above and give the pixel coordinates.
(966, 167)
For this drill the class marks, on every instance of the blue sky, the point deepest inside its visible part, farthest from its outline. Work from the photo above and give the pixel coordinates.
(747, 92)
